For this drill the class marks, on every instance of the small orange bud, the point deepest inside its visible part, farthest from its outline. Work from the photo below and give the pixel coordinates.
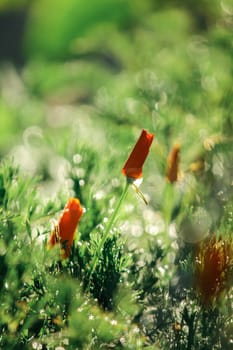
(173, 164)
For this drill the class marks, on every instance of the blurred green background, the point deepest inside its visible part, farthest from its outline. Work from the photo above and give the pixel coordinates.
(93, 73)
(78, 77)
(78, 81)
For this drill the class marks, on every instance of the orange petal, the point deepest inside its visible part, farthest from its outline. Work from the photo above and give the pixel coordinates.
(65, 229)
(133, 166)
(212, 269)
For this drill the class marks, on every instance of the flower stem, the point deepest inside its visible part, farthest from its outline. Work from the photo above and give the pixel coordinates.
(107, 231)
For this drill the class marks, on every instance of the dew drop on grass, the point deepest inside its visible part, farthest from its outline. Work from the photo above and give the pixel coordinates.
(115, 182)
(113, 322)
(152, 229)
(66, 341)
(99, 195)
(81, 182)
(37, 346)
(77, 158)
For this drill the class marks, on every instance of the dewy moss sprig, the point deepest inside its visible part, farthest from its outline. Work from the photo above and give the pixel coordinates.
(133, 172)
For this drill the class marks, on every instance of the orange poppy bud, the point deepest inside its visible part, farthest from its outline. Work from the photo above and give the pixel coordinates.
(212, 268)
(64, 231)
(133, 166)
(173, 164)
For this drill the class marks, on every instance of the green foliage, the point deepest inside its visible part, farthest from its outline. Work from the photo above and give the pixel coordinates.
(94, 76)
(38, 295)
(108, 272)
(69, 22)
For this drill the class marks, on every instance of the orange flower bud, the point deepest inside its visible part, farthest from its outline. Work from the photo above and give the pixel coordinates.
(214, 260)
(64, 231)
(173, 164)
(133, 166)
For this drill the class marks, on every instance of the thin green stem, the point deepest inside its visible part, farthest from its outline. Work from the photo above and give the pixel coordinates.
(107, 231)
